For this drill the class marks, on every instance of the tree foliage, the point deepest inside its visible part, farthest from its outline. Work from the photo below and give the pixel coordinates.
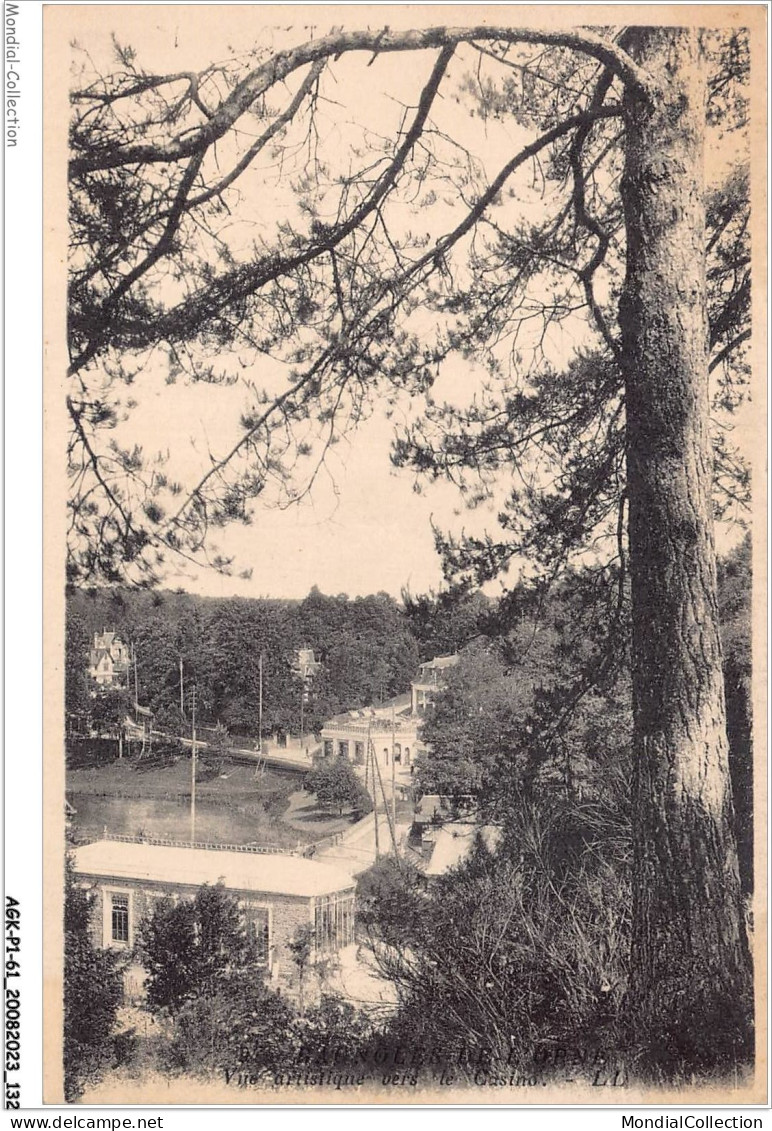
(337, 785)
(93, 990)
(242, 1027)
(108, 708)
(541, 698)
(189, 948)
(365, 646)
(172, 268)
(442, 623)
(540, 701)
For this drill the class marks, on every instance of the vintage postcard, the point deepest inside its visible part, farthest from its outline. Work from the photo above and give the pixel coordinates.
(405, 509)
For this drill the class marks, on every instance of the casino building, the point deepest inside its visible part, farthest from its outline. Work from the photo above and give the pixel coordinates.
(391, 731)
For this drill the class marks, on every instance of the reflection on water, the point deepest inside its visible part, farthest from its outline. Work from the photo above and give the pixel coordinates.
(158, 817)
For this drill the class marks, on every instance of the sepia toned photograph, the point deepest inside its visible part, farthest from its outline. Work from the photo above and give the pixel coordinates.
(405, 419)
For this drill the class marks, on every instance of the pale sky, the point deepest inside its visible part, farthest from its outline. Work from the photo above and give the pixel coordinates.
(364, 528)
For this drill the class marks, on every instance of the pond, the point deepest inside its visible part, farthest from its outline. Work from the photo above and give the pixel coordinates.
(217, 822)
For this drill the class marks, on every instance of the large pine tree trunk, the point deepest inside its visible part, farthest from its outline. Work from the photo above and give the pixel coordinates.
(690, 967)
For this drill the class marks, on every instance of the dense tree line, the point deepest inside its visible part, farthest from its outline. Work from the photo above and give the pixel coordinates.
(366, 649)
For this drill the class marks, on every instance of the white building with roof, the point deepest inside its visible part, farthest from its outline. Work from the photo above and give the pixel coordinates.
(450, 844)
(392, 731)
(278, 894)
(431, 679)
(392, 737)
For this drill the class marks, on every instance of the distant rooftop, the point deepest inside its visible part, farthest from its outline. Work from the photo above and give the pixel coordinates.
(440, 662)
(398, 703)
(454, 842)
(271, 874)
(398, 706)
(377, 723)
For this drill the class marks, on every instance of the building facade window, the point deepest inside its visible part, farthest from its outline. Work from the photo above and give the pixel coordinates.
(119, 918)
(343, 748)
(333, 922)
(359, 753)
(328, 748)
(258, 926)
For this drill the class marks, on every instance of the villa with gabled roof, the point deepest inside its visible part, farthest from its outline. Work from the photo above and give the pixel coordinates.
(108, 660)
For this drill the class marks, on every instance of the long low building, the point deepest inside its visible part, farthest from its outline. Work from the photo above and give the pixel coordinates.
(278, 894)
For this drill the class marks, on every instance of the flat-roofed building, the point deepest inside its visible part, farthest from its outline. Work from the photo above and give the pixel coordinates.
(393, 740)
(278, 894)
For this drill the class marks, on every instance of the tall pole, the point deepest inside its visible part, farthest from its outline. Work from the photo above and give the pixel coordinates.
(193, 771)
(390, 826)
(302, 705)
(393, 777)
(182, 692)
(136, 704)
(260, 705)
(371, 754)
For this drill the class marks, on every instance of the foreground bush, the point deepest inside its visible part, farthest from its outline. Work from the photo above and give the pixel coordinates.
(514, 951)
(242, 1026)
(248, 1028)
(93, 990)
(191, 947)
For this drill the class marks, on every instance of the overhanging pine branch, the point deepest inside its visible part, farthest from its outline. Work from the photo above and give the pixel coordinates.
(276, 69)
(194, 313)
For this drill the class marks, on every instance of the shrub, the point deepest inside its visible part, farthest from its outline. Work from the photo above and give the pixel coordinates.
(93, 990)
(514, 951)
(190, 948)
(242, 1026)
(332, 1034)
(336, 784)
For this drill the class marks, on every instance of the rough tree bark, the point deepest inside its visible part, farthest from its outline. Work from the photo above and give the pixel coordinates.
(690, 976)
